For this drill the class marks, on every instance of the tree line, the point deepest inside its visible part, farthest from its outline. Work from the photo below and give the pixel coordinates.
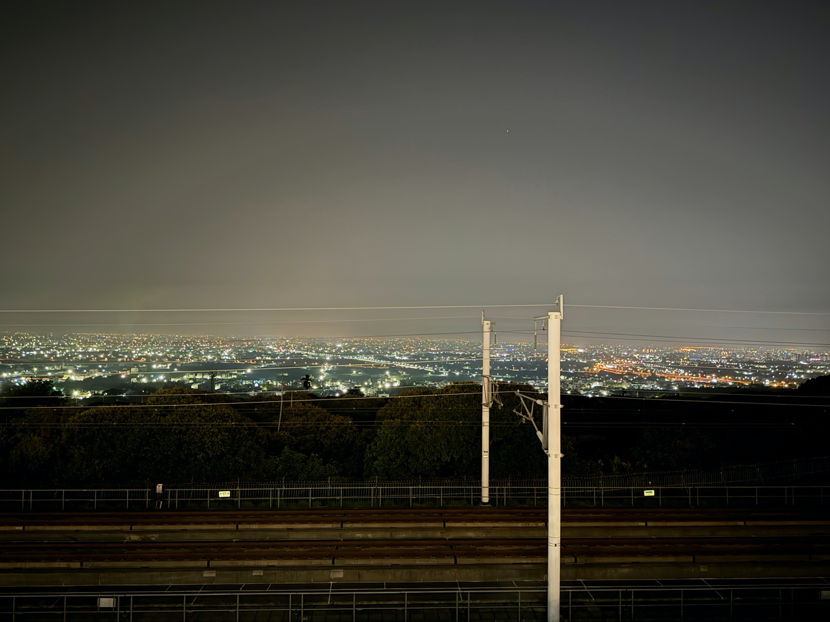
(183, 435)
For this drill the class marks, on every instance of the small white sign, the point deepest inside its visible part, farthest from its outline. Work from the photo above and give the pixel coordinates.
(648, 493)
(224, 494)
(106, 603)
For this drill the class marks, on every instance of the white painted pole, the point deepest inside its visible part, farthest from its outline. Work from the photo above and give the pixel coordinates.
(485, 410)
(554, 463)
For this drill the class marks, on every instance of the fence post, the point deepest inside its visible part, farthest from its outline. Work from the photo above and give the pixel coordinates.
(63, 501)
(94, 500)
(520, 606)
(128, 498)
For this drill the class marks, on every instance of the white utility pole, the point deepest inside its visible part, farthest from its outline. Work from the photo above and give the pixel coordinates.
(551, 438)
(554, 446)
(486, 400)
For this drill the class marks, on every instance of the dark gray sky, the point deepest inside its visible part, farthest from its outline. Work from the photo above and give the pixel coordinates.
(275, 154)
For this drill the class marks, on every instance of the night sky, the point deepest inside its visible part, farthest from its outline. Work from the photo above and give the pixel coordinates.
(335, 154)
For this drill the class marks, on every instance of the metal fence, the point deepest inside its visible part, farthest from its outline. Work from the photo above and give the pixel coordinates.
(649, 601)
(752, 474)
(733, 485)
(302, 495)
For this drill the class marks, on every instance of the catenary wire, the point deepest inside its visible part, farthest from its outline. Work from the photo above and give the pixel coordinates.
(406, 307)
(264, 322)
(695, 309)
(274, 309)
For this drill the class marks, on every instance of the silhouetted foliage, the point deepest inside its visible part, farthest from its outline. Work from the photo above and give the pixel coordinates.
(819, 387)
(179, 434)
(437, 433)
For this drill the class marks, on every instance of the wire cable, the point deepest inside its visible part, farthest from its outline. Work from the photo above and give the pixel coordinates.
(694, 309)
(273, 309)
(264, 322)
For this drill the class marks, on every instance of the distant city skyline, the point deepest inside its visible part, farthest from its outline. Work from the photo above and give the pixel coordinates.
(88, 365)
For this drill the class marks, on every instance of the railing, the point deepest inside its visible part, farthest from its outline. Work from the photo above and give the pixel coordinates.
(733, 485)
(694, 600)
(754, 474)
(395, 494)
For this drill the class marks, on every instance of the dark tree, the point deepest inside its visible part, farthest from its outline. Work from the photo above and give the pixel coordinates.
(819, 387)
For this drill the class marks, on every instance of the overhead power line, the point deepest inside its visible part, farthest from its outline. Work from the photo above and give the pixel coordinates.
(692, 309)
(407, 307)
(698, 341)
(264, 322)
(271, 309)
(681, 339)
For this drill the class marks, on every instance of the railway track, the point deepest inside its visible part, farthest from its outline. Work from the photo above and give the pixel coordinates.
(444, 518)
(399, 552)
(407, 545)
